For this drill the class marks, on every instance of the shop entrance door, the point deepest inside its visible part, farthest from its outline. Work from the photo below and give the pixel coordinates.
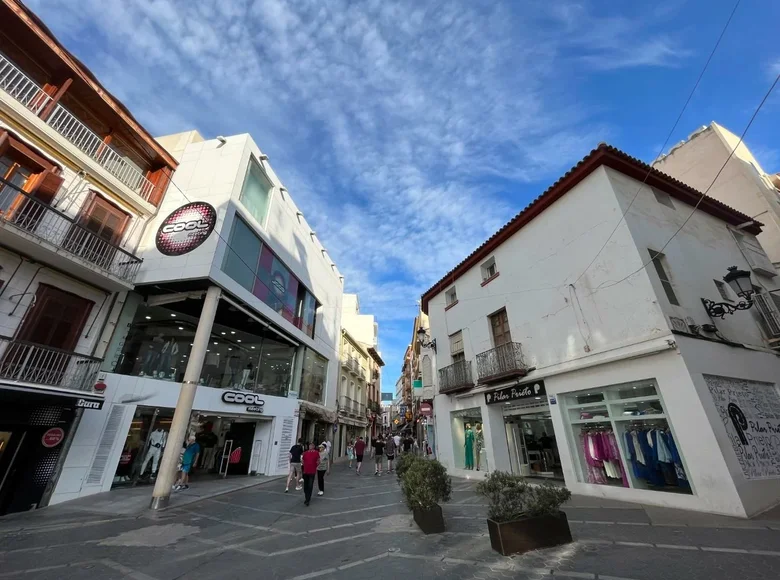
(10, 442)
(533, 448)
(242, 435)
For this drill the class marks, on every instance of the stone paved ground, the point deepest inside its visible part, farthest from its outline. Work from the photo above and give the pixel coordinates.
(360, 529)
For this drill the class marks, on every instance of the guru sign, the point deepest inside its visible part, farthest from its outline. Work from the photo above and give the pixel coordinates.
(516, 393)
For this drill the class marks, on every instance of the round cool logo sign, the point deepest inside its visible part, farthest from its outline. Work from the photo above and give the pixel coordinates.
(186, 228)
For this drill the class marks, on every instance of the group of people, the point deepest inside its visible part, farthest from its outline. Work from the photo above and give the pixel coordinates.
(306, 465)
(381, 447)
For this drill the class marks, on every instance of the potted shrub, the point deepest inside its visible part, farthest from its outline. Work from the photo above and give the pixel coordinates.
(425, 484)
(523, 517)
(403, 463)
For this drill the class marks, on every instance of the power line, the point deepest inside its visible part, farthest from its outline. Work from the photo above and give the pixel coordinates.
(671, 132)
(703, 195)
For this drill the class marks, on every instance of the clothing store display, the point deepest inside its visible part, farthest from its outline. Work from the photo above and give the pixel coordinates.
(152, 355)
(602, 456)
(469, 447)
(169, 350)
(654, 457)
(157, 440)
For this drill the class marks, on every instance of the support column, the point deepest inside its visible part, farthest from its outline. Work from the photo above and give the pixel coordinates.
(181, 416)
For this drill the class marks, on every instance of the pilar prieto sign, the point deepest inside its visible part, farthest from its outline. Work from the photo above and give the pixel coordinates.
(516, 393)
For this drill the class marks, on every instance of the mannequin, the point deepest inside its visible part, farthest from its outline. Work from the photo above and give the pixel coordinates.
(169, 350)
(469, 447)
(245, 374)
(152, 356)
(479, 436)
(157, 440)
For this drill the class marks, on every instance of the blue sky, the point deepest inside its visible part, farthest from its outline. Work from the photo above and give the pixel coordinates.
(409, 131)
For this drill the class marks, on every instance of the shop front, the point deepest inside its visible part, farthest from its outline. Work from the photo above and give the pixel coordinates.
(240, 433)
(34, 426)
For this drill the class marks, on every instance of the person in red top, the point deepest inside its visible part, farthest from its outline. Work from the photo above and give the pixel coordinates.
(310, 460)
(360, 447)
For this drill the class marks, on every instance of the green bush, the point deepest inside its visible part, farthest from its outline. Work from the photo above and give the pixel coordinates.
(511, 498)
(426, 484)
(403, 463)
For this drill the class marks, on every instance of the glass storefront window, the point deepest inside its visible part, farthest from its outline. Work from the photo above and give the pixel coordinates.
(622, 436)
(256, 192)
(242, 354)
(268, 278)
(314, 377)
(468, 439)
(244, 251)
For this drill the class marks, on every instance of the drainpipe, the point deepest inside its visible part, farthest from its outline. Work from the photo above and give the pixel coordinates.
(181, 416)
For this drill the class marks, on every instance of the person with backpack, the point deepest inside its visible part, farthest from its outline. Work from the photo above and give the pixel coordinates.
(379, 448)
(390, 451)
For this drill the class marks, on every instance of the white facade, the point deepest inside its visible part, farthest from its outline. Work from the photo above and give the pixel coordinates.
(743, 184)
(215, 171)
(581, 331)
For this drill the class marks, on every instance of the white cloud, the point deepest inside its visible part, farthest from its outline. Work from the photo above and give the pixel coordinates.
(394, 125)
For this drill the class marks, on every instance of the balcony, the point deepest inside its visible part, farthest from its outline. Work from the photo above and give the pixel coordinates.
(28, 94)
(26, 362)
(501, 363)
(456, 377)
(46, 234)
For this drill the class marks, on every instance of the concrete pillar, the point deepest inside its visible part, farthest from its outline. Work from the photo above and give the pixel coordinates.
(495, 438)
(181, 416)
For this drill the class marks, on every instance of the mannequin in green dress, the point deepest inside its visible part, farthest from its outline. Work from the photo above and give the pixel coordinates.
(469, 447)
(480, 440)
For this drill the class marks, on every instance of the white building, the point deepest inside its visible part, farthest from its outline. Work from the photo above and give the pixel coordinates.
(79, 181)
(547, 357)
(226, 223)
(743, 184)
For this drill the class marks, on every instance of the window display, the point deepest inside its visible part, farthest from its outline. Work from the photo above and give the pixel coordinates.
(268, 278)
(314, 377)
(144, 445)
(242, 354)
(468, 439)
(623, 437)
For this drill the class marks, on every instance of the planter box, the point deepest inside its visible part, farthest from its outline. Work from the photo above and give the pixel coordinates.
(430, 521)
(529, 534)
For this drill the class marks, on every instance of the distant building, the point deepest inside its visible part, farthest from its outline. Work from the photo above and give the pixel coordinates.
(743, 183)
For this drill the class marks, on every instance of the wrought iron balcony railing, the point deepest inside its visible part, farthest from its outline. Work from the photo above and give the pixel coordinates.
(33, 363)
(503, 362)
(30, 95)
(456, 377)
(21, 210)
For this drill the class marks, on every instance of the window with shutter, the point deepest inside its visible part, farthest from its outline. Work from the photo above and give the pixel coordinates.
(755, 254)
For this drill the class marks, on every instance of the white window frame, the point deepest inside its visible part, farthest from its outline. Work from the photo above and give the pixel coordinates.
(450, 296)
(662, 271)
(487, 266)
(663, 198)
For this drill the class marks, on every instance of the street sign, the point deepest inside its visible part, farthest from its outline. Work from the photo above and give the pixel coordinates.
(53, 437)
(387, 397)
(426, 409)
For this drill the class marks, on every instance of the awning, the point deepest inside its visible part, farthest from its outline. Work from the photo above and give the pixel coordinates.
(80, 399)
(318, 411)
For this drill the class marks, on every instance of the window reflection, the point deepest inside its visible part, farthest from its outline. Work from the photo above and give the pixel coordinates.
(314, 377)
(241, 354)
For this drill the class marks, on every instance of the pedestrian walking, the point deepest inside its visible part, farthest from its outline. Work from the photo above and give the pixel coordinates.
(323, 469)
(379, 448)
(309, 461)
(188, 459)
(407, 444)
(296, 453)
(360, 448)
(350, 453)
(390, 450)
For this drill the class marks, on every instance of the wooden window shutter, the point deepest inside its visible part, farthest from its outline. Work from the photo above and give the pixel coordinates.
(47, 186)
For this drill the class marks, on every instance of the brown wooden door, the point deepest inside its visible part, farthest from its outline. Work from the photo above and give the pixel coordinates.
(47, 336)
(107, 222)
(499, 326)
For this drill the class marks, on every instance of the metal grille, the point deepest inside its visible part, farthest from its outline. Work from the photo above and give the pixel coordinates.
(46, 223)
(285, 441)
(23, 89)
(46, 416)
(456, 376)
(32, 363)
(95, 475)
(769, 312)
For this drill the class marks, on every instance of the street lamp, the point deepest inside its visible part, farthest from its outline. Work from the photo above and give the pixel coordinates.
(422, 339)
(742, 285)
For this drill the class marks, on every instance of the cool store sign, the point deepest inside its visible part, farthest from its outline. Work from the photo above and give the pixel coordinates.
(516, 393)
(254, 402)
